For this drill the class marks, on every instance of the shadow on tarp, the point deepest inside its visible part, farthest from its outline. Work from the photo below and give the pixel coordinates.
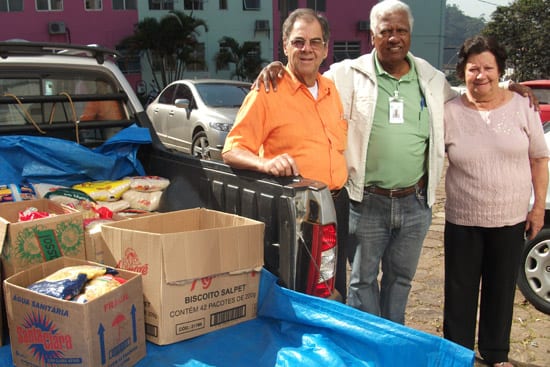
(293, 329)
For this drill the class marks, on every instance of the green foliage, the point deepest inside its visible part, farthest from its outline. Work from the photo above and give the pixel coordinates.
(246, 58)
(168, 44)
(458, 27)
(523, 29)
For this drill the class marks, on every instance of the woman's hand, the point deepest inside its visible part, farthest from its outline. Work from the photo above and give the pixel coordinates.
(269, 76)
(535, 221)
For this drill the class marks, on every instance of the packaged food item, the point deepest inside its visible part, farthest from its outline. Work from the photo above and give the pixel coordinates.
(98, 286)
(32, 213)
(143, 200)
(15, 192)
(68, 196)
(148, 183)
(68, 282)
(42, 189)
(104, 190)
(114, 206)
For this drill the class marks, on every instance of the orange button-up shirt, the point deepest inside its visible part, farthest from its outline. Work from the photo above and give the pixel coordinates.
(313, 132)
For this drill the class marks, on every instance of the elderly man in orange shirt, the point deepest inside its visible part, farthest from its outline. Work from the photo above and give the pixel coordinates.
(301, 129)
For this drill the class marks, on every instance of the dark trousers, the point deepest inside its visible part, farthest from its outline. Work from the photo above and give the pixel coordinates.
(489, 256)
(341, 204)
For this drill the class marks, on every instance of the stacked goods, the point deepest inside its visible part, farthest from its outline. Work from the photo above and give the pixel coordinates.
(49, 330)
(79, 283)
(37, 231)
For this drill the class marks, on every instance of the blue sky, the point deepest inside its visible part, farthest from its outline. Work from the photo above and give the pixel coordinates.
(476, 8)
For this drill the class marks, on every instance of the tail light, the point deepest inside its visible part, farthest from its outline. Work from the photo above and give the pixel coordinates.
(322, 268)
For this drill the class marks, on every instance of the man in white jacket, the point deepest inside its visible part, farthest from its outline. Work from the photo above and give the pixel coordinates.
(393, 102)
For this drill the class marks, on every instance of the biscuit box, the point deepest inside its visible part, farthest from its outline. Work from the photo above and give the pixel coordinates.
(47, 331)
(95, 245)
(201, 269)
(35, 241)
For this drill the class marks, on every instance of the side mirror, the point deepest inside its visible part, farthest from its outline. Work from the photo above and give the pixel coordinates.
(182, 103)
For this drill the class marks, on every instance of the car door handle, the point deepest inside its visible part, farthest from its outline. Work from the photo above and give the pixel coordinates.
(171, 113)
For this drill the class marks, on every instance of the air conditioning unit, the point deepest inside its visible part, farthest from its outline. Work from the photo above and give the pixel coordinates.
(262, 25)
(363, 25)
(56, 28)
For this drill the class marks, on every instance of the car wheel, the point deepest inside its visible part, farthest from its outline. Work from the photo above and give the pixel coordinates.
(199, 146)
(534, 272)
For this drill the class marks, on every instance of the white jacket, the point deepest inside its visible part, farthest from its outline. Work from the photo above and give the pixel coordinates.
(356, 82)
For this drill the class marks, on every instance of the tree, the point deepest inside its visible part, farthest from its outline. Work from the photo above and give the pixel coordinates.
(168, 45)
(521, 29)
(246, 58)
(458, 27)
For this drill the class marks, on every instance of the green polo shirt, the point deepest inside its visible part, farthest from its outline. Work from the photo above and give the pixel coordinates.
(396, 154)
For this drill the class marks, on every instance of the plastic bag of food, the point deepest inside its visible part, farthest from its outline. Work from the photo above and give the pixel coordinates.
(69, 281)
(114, 206)
(104, 190)
(98, 286)
(32, 213)
(148, 183)
(143, 200)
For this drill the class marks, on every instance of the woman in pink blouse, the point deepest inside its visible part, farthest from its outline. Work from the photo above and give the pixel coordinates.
(497, 154)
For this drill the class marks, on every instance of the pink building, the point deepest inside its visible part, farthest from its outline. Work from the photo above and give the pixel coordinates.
(349, 26)
(103, 22)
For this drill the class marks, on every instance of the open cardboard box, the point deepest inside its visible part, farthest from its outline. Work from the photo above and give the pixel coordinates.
(200, 268)
(106, 331)
(32, 242)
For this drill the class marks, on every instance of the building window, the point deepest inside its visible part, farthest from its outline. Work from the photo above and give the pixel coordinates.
(193, 4)
(161, 4)
(11, 5)
(124, 4)
(346, 50)
(291, 5)
(251, 4)
(93, 4)
(317, 5)
(223, 4)
(49, 4)
(197, 60)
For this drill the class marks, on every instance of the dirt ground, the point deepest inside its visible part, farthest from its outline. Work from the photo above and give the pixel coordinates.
(530, 339)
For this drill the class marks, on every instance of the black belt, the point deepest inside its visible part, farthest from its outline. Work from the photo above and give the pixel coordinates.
(397, 193)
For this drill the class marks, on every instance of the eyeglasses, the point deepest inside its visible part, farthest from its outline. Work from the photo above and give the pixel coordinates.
(300, 43)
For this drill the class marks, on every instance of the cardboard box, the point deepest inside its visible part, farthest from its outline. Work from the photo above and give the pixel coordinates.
(47, 331)
(95, 245)
(200, 269)
(32, 242)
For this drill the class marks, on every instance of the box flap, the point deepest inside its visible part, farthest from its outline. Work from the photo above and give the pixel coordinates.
(197, 254)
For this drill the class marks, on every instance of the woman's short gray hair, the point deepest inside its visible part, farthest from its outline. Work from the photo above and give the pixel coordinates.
(389, 6)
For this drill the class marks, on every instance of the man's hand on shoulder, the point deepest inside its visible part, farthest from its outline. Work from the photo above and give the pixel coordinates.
(269, 76)
(526, 92)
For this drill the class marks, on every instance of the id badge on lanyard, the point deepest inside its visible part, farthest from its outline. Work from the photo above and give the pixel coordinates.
(397, 107)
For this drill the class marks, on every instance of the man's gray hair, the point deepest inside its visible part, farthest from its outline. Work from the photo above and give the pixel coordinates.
(389, 6)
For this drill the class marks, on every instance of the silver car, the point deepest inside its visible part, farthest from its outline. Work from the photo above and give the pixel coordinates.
(194, 116)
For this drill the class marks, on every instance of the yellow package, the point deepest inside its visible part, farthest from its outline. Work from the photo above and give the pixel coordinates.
(98, 287)
(104, 190)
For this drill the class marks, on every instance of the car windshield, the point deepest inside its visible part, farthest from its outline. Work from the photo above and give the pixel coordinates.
(223, 95)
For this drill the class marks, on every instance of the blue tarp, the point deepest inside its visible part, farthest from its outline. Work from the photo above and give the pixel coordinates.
(293, 329)
(40, 159)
